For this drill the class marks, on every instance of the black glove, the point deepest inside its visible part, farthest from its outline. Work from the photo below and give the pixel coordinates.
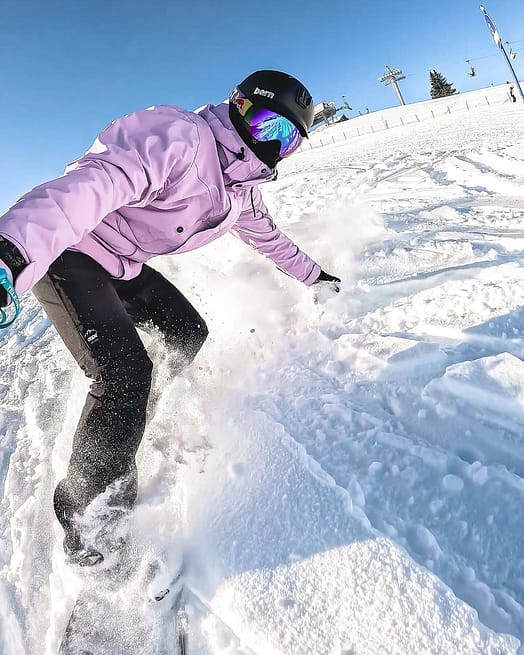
(331, 279)
(13, 258)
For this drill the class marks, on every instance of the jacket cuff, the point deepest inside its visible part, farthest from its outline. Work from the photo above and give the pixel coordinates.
(12, 256)
(313, 275)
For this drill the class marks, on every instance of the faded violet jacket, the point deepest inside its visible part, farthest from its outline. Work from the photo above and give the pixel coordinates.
(163, 180)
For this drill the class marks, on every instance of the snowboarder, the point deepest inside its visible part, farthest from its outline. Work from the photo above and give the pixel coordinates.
(158, 181)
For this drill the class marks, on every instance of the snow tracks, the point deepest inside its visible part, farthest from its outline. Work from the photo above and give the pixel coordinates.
(344, 476)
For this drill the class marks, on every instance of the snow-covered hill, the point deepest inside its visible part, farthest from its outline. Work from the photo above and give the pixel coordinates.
(343, 473)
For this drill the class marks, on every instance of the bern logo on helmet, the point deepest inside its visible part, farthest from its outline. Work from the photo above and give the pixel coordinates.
(262, 92)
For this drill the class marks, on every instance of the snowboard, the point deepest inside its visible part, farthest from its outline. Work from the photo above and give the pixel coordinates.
(121, 619)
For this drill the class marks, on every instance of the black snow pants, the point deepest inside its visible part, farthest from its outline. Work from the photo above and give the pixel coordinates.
(96, 317)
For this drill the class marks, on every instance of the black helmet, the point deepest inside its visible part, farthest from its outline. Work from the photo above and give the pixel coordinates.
(278, 92)
(281, 93)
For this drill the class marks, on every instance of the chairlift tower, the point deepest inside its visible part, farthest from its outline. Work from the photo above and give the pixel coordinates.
(393, 77)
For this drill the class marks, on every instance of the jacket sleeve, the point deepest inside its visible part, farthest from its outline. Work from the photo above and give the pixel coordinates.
(127, 164)
(256, 228)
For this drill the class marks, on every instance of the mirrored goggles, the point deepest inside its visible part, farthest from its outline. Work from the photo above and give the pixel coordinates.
(266, 125)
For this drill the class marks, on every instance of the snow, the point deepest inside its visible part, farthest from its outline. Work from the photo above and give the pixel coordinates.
(342, 473)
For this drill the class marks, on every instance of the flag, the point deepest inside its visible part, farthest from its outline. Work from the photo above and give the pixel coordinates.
(492, 28)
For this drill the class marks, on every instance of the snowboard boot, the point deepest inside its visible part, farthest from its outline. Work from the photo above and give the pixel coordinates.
(77, 553)
(90, 520)
(65, 509)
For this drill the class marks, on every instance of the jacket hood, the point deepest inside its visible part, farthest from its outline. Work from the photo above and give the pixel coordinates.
(239, 163)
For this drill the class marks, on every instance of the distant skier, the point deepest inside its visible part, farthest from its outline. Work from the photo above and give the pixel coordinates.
(155, 182)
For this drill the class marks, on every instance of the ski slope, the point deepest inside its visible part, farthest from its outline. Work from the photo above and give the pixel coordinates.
(343, 474)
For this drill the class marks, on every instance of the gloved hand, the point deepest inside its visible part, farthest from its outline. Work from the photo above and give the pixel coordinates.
(4, 269)
(7, 292)
(12, 263)
(333, 281)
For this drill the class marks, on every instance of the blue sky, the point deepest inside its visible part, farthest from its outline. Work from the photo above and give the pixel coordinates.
(69, 68)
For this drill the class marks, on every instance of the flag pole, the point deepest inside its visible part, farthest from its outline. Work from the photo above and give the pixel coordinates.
(498, 41)
(508, 61)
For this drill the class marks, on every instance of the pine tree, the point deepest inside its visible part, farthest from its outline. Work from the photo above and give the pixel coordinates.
(440, 87)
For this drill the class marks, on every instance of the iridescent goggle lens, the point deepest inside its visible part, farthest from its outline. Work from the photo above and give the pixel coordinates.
(266, 125)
